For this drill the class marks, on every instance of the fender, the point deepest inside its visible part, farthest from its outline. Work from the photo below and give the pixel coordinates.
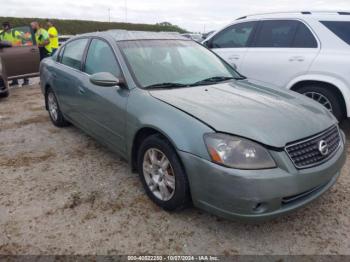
(329, 79)
(181, 129)
(177, 131)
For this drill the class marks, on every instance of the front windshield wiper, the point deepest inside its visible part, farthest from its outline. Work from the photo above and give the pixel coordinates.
(165, 85)
(214, 80)
(240, 78)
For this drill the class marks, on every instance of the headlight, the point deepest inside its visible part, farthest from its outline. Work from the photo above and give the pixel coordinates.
(236, 152)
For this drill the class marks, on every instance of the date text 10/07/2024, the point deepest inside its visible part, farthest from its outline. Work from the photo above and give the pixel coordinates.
(173, 258)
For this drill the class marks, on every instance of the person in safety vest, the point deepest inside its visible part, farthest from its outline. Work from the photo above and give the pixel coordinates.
(42, 40)
(9, 35)
(14, 38)
(53, 34)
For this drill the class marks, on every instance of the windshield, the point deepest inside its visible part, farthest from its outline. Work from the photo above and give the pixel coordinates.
(156, 62)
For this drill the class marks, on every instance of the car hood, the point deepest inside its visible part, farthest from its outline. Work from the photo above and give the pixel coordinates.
(267, 115)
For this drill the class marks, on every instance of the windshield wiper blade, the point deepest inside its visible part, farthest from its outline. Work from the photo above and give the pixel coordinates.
(240, 78)
(213, 80)
(166, 85)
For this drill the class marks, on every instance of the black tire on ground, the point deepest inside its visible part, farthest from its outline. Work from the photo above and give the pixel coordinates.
(181, 197)
(5, 94)
(333, 98)
(60, 121)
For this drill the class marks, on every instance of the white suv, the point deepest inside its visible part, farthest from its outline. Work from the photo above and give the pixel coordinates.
(308, 52)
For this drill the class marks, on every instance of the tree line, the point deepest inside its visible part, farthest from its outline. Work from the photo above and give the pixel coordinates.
(73, 27)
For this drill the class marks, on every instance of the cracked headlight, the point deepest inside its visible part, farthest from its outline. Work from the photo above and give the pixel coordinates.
(236, 152)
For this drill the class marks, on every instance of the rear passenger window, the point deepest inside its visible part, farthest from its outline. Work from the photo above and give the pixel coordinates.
(304, 38)
(276, 33)
(101, 58)
(73, 53)
(235, 36)
(339, 28)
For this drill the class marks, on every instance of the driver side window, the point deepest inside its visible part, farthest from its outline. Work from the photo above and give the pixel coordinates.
(101, 58)
(235, 36)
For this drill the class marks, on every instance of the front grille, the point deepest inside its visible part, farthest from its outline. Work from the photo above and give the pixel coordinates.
(306, 153)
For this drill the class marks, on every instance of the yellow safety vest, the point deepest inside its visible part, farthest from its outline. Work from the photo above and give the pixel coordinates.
(54, 38)
(13, 37)
(41, 36)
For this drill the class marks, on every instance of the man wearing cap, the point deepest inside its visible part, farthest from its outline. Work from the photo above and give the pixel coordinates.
(10, 35)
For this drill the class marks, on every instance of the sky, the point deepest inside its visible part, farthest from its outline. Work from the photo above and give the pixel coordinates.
(193, 15)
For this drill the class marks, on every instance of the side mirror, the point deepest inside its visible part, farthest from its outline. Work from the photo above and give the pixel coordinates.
(104, 79)
(208, 44)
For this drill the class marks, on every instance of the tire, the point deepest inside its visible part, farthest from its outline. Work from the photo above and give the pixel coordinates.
(5, 94)
(55, 113)
(333, 99)
(178, 186)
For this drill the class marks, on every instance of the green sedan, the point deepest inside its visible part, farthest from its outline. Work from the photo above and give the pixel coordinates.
(195, 130)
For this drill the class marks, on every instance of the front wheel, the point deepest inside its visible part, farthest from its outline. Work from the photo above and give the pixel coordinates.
(55, 113)
(325, 97)
(162, 174)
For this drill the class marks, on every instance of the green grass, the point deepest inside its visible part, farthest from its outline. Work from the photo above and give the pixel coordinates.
(73, 27)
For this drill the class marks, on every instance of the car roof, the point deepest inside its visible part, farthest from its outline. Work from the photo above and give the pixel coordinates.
(65, 36)
(125, 35)
(334, 15)
(191, 34)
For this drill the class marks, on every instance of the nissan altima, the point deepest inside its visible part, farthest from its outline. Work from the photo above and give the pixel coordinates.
(194, 129)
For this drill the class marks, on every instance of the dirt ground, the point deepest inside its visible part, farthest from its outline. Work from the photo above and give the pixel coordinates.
(63, 193)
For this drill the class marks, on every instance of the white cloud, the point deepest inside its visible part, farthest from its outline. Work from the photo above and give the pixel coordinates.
(193, 15)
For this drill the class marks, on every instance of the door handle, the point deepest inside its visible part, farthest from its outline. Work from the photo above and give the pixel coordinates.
(297, 59)
(33, 50)
(54, 75)
(81, 90)
(233, 57)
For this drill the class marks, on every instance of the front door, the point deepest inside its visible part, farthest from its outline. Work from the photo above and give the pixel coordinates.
(231, 44)
(104, 107)
(23, 57)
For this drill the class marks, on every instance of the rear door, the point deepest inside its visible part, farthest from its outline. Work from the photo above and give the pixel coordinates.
(68, 76)
(23, 57)
(231, 43)
(281, 51)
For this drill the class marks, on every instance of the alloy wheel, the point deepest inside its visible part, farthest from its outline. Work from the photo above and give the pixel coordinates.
(159, 174)
(53, 107)
(323, 100)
